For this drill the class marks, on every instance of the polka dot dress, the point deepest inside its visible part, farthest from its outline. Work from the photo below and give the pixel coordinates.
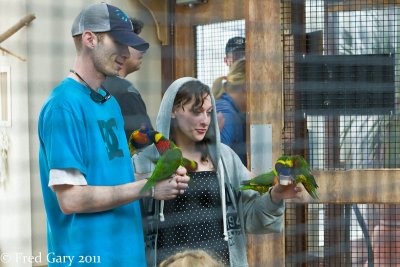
(194, 220)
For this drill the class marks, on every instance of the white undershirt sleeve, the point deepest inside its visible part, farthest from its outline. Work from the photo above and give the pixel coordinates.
(66, 176)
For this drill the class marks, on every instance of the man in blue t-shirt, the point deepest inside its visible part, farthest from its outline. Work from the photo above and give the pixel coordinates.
(88, 183)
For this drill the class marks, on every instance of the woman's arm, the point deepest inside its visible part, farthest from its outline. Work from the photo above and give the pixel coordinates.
(261, 213)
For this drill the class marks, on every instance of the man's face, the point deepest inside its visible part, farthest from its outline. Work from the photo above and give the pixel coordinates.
(231, 57)
(134, 61)
(109, 56)
(228, 59)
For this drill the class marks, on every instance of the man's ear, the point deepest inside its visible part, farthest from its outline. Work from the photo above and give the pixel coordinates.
(89, 39)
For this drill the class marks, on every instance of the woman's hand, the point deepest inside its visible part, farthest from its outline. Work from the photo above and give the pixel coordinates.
(280, 192)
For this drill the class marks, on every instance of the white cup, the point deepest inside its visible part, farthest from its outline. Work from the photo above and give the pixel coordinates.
(285, 179)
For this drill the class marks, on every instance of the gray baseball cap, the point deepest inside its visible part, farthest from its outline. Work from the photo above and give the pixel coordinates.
(103, 17)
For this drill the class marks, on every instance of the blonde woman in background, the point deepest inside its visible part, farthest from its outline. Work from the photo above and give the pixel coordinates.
(231, 97)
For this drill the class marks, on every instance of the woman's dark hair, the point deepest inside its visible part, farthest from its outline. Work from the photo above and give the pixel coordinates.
(198, 91)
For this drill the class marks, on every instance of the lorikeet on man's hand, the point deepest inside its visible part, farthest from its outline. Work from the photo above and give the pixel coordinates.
(171, 155)
(163, 145)
(165, 167)
(140, 139)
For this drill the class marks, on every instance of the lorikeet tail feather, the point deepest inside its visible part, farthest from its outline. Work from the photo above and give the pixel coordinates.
(190, 165)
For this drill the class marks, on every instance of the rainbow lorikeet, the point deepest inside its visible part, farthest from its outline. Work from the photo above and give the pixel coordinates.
(163, 145)
(140, 139)
(166, 166)
(144, 137)
(171, 155)
(294, 167)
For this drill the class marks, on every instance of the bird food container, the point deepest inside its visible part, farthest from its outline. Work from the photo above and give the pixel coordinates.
(285, 179)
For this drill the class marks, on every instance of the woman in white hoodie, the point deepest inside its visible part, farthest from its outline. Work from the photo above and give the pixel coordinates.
(212, 214)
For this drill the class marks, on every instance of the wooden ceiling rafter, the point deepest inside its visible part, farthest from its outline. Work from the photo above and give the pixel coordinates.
(12, 30)
(159, 12)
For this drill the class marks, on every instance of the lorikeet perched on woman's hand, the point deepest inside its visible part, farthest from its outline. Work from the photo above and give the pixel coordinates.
(294, 166)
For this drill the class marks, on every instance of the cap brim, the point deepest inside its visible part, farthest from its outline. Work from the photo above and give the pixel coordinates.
(130, 38)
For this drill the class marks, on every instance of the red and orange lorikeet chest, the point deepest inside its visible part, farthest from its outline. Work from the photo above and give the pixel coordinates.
(163, 145)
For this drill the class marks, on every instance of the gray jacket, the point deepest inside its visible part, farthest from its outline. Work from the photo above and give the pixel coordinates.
(243, 211)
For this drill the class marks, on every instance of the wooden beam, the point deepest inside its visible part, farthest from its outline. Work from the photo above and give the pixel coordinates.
(264, 102)
(23, 22)
(12, 54)
(358, 186)
(159, 11)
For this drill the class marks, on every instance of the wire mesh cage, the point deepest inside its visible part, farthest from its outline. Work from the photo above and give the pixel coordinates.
(340, 82)
(341, 110)
(210, 41)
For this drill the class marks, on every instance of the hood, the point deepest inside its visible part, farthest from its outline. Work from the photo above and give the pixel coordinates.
(163, 122)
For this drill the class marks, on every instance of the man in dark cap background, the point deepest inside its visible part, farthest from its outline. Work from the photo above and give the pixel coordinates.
(128, 97)
(234, 50)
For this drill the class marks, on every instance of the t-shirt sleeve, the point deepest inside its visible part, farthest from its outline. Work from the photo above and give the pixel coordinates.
(65, 139)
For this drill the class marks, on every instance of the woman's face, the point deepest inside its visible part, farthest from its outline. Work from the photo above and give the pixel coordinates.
(192, 122)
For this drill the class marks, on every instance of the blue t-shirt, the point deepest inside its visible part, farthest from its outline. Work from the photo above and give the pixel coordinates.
(76, 132)
(234, 132)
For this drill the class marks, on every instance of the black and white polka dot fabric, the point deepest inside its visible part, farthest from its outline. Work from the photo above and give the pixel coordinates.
(194, 220)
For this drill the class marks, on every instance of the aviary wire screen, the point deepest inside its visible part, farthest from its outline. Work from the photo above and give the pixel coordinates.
(210, 48)
(341, 110)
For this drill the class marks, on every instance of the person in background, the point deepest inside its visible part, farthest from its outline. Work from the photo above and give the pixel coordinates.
(87, 179)
(231, 98)
(192, 258)
(212, 214)
(235, 49)
(128, 97)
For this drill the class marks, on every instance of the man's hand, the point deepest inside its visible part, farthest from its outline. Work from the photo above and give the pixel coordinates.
(171, 188)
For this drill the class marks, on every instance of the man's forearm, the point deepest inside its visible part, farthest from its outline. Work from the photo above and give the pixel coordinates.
(87, 199)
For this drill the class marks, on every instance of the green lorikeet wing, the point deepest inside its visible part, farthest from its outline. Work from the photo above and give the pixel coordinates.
(260, 183)
(165, 167)
(302, 174)
(309, 184)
